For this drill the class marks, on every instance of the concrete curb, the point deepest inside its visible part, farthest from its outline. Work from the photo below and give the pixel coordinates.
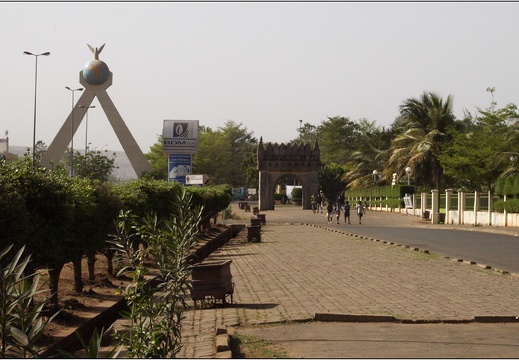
(223, 339)
(362, 318)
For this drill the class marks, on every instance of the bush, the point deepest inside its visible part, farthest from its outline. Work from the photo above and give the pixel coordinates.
(60, 219)
(297, 194)
(155, 314)
(510, 205)
(21, 315)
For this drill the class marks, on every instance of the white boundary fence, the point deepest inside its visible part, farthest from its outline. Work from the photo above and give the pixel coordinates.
(456, 210)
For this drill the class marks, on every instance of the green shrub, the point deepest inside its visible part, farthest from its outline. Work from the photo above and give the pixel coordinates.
(297, 194)
(510, 205)
(155, 314)
(21, 320)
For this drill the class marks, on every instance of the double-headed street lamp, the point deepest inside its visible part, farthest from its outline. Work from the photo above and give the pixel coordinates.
(35, 93)
(86, 125)
(72, 131)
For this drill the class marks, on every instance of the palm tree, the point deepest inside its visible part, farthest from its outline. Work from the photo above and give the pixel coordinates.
(423, 124)
(372, 152)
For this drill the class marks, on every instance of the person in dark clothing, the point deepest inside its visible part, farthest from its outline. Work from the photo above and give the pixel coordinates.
(347, 212)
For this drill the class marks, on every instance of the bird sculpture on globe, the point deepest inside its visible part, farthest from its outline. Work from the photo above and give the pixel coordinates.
(96, 72)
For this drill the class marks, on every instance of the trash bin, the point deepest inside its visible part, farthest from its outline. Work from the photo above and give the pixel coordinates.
(212, 281)
(254, 233)
(262, 218)
(441, 218)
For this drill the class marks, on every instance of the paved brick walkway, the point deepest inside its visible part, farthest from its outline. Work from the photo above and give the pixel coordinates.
(300, 269)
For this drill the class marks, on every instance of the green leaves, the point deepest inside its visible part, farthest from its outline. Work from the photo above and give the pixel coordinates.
(156, 313)
(21, 320)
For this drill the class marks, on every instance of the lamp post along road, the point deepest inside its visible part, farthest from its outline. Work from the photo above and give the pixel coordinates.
(72, 131)
(408, 171)
(375, 175)
(86, 125)
(35, 97)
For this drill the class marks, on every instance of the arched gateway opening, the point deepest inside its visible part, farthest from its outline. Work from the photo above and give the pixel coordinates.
(276, 161)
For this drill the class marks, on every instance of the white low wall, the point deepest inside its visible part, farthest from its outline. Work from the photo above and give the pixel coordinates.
(482, 219)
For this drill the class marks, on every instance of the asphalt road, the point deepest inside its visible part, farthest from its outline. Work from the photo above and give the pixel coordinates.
(496, 250)
(497, 247)
(500, 251)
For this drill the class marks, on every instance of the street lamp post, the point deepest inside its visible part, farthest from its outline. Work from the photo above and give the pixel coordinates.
(375, 174)
(72, 131)
(408, 171)
(35, 93)
(86, 125)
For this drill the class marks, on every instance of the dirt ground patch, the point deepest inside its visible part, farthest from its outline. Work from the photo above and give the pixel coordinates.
(97, 296)
(77, 308)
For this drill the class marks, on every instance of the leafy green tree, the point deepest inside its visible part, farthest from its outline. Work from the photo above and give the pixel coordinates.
(212, 157)
(509, 186)
(307, 134)
(235, 146)
(330, 178)
(158, 160)
(500, 186)
(337, 139)
(48, 202)
(94, 165)
(510, 157)
(424, 122)
(475, 159)
(39, 150)
(226, 155)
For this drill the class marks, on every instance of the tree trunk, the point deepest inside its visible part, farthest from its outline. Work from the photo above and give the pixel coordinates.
(78, 280)
(110, 259)
(91, 260)
(54, 273)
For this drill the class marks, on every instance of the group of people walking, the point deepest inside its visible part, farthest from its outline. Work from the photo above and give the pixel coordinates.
(335, 209)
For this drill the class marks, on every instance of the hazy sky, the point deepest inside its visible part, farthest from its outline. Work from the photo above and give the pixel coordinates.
(263, 64)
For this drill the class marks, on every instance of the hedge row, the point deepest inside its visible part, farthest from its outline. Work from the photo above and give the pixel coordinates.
(508, 186)
(61, 219)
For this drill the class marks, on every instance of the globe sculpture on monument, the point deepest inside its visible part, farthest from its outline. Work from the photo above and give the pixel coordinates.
(96, 72)
(96, 77)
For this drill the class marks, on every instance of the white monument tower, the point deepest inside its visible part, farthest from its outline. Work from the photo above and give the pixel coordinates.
(96, 78)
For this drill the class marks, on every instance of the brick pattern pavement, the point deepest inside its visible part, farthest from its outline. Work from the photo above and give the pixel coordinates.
(298, 270)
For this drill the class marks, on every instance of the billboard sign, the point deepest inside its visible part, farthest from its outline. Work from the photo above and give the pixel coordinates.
(196, 179)
(180, 136)
(179, 166)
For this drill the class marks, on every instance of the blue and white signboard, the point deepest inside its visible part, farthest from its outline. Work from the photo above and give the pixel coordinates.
(179, 166)
(180, 136)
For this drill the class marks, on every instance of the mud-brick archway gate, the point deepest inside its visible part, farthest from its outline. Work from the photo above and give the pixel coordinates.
(279, 160)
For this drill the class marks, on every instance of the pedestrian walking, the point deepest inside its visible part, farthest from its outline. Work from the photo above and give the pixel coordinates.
(360, 211)
(338, 210)
(347, 212)
(320, 202)
(329, 213)
(314, 202)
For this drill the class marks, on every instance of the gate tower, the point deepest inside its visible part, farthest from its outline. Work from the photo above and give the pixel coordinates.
(276, 161)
